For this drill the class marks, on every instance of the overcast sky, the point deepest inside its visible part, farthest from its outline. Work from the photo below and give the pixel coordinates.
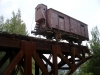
(87, 11)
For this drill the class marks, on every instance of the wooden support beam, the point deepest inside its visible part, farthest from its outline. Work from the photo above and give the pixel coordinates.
(65, 60)
(55, 65)
(13, 63)
(38, 60)
(55, 52)
(48, 61)
(28, 65)
(30, 46)
(5, 42)
(73, 55)
(36, 69)
(40, 63)
(3, 60)
(27, 48)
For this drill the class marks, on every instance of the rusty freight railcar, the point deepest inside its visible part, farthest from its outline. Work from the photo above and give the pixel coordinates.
(54, 24)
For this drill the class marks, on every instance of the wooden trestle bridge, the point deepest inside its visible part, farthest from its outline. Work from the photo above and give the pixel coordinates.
(22, 49)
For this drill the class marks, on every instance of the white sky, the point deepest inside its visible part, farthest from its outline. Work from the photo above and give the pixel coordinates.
(87, 11)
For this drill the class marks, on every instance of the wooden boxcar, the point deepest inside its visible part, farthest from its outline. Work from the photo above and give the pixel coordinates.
(52, 23)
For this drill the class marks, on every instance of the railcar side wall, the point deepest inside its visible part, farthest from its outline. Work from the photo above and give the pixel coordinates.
(65, 23)
(57, 20)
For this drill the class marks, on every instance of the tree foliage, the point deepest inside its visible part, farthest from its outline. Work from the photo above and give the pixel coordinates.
(1, 23)
(92, 67)
(13, 25)
(95, 48)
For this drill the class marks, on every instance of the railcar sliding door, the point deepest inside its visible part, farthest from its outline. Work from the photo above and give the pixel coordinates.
(61, 22)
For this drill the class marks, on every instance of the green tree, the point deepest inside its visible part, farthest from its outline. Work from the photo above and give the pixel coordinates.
(94, 63)
(2, 54)
(1, 23)
(15, 24)
(92, 67)
(82, 70)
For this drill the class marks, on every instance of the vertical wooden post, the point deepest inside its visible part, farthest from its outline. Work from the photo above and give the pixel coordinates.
(38, 60)
(28, 58)
(36, 69)
(73, 55)
(55, 65)
(28, 65)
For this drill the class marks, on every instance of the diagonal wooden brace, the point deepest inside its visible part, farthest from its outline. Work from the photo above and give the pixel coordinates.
(13, 63)
(38, 60)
